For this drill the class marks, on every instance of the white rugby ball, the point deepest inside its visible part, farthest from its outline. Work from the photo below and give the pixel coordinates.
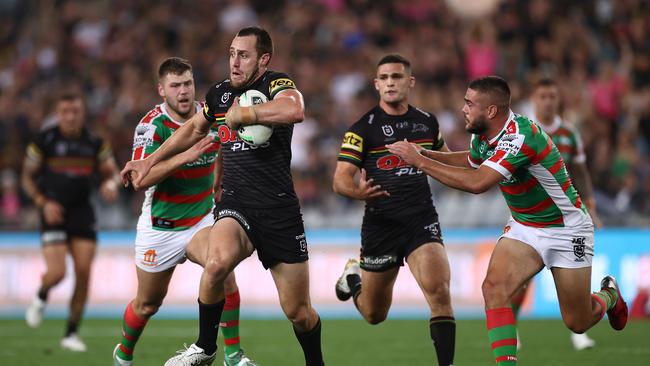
(254, 135)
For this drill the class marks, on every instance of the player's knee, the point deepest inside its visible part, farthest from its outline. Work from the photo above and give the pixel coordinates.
(298, 315)
(438, 292)
(493, 290)
(375, 316)
(57, 275)
(576, 325)
(145, 310)
(216, 269)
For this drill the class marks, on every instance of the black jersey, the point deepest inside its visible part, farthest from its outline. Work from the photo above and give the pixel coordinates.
(254, 176)
(68, 165)
(364, 145)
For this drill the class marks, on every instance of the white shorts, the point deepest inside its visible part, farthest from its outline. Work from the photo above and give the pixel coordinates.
(562, 247)
(159, 250)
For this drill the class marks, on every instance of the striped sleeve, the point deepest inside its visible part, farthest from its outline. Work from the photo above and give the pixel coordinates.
(474, 158)
(279, 82)
(352, 148)
(439, 141)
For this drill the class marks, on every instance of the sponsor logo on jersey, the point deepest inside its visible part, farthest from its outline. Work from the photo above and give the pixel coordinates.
(391, 162)
(370, 118)
(235, 215)
(402, 125)
(419, 127)
(144, 135)
(510, 143)
(278, 84)
(387, 130)
(352, 141)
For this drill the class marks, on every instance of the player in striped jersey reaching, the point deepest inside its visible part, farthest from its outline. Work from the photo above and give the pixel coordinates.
(546, 103)
(176, 213)
(549, 226)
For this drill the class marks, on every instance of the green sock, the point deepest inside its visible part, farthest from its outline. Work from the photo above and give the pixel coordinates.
(503, 335)
(609, 297)
(132, 327)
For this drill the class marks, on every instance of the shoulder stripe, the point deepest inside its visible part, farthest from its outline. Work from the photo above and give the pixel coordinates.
(157, 111)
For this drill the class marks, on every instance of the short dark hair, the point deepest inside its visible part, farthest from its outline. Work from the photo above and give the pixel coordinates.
(68, 96)
(544, 82)
(395, 59)
(173, 65)
(496, 87)
(263, 41)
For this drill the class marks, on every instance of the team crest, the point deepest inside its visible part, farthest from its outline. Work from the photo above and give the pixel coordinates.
(388, 130)
(225, 97)
(579, 250)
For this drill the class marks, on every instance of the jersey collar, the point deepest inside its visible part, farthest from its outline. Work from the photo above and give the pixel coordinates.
(511, 117)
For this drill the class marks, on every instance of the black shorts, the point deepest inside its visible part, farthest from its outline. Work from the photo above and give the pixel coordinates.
(78, 221)
(387, 239)
(278, 234)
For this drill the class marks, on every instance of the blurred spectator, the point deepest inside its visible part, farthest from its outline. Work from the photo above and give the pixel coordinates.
(598, 50)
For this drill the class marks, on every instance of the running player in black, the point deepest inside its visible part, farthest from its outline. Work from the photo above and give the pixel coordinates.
(389, 185)
(58, 175)
(259, 209)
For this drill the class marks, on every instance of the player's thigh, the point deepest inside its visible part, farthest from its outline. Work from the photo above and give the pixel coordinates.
(83, 252)
(54, 254)
(430, 267)
(573, 286)
(197, 248)
(512, 264)
(377, 289)
(228, 243)
(292, 283)
(152, 286)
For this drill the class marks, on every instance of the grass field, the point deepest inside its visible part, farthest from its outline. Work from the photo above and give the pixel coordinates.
(346, 342)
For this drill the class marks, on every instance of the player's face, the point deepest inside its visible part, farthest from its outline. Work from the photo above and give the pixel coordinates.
(178, 92)
(70, 115)
(546, 100)
(475, 112)
(393, 82)
(245, 63)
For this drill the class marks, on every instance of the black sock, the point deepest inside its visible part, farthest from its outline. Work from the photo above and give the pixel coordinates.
(42, 294)
(209, 318)
(443, 335)
(354, 283)
(71, 328)
(310, 343)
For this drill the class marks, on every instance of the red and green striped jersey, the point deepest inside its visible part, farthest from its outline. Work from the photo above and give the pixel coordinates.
(183, 198)
(536, 184)
(567, 140)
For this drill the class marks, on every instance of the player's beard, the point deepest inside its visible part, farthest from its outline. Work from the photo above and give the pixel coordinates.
(175, 108)
(249, 80)
(479, 126)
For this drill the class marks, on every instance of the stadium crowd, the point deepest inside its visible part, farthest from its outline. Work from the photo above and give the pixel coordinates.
(597, 50)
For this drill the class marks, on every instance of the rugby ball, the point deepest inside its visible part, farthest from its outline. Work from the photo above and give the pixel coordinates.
(254, 135)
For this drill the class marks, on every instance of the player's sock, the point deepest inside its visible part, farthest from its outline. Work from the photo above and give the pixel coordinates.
(209, 318)
(230, 323)
(71, 327)
(503, 335)
(607, 298)
(354, 283)
(132, 327)
(311, 345)
(516, 302)
(42, 294)
(443, 335)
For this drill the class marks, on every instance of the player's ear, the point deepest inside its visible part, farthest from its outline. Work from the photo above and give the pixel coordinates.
(376, 84)
(492, 111)
(161, 90)
(411, 81)
(265, 59)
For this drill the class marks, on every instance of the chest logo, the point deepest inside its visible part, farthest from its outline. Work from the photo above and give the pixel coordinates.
(388, 130)
(402, 125)
(225, 97)
(420, 127)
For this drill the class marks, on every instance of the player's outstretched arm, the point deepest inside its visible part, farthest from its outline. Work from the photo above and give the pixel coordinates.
(453, 158)
(345, 184)
(165, 168)
(288, 107)
(186, 136)
(465, 179)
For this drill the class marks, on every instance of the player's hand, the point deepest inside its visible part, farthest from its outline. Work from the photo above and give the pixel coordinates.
(238, 115)
(53, 212)
(368, 190)
(197, 150)
(406, 151)
(108, 190)
(134, 171)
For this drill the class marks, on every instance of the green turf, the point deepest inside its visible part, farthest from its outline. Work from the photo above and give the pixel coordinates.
(346, 342)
